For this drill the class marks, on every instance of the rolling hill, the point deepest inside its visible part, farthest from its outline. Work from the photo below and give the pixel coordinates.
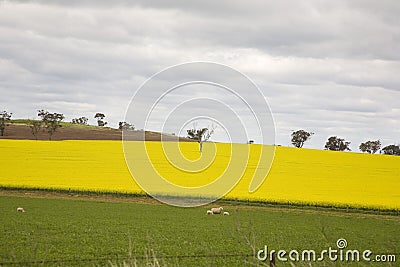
(19, 129)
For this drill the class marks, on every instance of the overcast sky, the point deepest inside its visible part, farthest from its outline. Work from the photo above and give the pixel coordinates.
(330, 67)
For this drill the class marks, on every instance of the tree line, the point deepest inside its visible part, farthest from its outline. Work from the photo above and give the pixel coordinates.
(335, 143)
(50, 122)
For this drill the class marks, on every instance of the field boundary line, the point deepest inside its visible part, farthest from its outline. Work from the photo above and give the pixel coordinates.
(126, 197)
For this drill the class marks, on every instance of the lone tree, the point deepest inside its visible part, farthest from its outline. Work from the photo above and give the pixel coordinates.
(4, 117)
(51, 121)
(35, 127)
(81, 120)
(123, 125)
(201, 135)
(100, 119)
(391, 150)
(370, 146)
(299, 137)
(337, 144)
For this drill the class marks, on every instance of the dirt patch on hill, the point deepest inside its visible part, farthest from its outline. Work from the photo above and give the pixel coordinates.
(81, 132)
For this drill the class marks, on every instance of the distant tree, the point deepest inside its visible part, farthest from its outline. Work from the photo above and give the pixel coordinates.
(370, 146)
(81, 120)
(299, 137)
(100, 119)
(337, 144)
(202, 135)
(51, 121)
(391, 150)
(35, 126)
(123, 125)
(4, 117)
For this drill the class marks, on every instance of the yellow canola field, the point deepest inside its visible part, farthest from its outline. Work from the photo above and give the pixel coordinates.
(297, 175)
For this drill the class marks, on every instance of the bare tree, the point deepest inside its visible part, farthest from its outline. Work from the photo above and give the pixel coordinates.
(200, 135)
(35, 127)
(4, 117)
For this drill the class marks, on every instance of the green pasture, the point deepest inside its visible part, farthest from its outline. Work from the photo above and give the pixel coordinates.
(65, 232)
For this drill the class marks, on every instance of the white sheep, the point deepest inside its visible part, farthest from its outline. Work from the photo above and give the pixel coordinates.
(209, 212)
(226, 213)
(20, 209)
(217, 210)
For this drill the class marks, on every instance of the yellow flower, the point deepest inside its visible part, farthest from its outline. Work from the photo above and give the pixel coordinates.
(302, 176)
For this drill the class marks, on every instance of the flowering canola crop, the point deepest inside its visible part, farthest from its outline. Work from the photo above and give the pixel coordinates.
(302, 176)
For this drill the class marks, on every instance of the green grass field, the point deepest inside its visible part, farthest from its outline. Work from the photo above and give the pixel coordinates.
(73, 232)
(63, 124)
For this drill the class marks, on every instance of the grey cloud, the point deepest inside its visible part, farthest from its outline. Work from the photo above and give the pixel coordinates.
(331, 67)
(317, 29)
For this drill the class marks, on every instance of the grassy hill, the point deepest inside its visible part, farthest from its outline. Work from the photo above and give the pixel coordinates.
(19, 129)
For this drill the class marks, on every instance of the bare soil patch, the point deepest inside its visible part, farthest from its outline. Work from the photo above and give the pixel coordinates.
(82, 132)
